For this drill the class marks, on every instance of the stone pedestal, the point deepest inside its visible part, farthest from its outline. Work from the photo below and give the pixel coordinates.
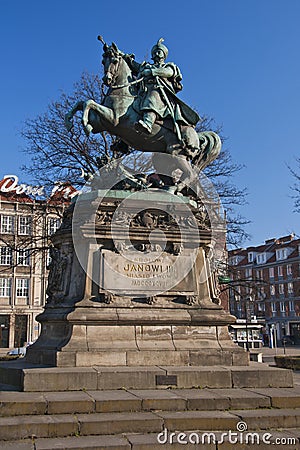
(131, 284)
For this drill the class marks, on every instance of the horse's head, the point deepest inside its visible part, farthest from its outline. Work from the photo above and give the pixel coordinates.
(111, 60)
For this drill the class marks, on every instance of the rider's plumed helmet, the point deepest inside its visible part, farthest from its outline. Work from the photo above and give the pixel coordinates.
(160, 46)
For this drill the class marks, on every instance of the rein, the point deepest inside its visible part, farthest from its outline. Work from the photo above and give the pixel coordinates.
(127, 85)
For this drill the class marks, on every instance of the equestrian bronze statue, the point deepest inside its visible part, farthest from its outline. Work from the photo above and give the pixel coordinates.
(142, 108)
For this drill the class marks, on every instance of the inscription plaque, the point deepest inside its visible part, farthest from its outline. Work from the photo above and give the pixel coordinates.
(147, 274)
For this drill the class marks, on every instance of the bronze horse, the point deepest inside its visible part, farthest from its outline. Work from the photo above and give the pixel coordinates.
(119, 111)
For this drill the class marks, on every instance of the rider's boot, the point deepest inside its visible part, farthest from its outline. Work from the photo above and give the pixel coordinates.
(145, 125)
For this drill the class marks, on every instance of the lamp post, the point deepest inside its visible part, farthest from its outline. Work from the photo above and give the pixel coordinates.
(247, 302)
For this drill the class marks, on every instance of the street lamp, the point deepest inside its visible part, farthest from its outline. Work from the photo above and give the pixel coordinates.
(247, 302)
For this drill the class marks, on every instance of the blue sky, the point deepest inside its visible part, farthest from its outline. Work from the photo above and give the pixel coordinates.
(240, 64)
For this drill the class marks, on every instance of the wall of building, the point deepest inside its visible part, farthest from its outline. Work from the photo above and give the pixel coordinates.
(26, 224)
(266, 284)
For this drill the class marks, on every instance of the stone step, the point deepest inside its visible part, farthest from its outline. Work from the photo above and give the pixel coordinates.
(67, 425)
(39, 403)
(286, 438)
(39, 379)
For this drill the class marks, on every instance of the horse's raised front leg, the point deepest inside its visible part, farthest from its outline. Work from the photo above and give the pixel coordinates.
(96, 122)
(71, 113)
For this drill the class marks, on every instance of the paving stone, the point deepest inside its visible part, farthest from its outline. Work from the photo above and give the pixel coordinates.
(262, 441)
(198, 420)
(164, 441)
(69, 402)
(294, 432)
(280, 397)
(200, 377)
(22, 403)
(128, 377)
(167, 400)
(22, 427)
(115, 401)
(60, 379)
(84, 442)
(116, 423)
(17, 445)
(265, 419)
(260, 377)
(203, 399)
(243, 399)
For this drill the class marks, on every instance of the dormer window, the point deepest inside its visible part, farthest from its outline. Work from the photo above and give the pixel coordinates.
(250, 257)
(281, 254)
(261, 258)
(235, 260)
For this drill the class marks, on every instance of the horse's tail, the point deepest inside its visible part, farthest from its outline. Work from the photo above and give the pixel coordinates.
(210, 147)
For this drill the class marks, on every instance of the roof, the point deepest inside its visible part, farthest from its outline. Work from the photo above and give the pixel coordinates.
(269, 247)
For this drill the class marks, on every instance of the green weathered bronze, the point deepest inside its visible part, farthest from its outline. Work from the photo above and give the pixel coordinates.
(142, 108)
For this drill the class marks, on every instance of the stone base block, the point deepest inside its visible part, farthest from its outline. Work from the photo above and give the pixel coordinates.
(111, 358)
(42, 379)
(126, 343)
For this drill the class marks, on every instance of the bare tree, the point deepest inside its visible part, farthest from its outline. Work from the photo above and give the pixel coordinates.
(60, 155)
(221, 172)
(296, 186)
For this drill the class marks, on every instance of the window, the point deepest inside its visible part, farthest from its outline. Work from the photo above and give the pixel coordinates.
(53, 225)
(248, 273)
(234, 260)
(259, 274)
(289, 269)
(272, 289)
(25, 225)
(282, 307)
(248, 290)
(290, 288)
(281, 254)
(291, 306)
(261, 258)
(22, 288)
(280, 271)
(261, 306)
(23, 257)
(5, 256)
(281, 289)
(273, 307)
(271, 272)
(5, 287)
(250, 257)
(237, 293)
(7, 224)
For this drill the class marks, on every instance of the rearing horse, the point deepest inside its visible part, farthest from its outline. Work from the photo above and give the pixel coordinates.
(119, 111)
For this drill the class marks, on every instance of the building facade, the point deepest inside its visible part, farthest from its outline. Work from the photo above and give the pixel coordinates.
(265, 286)
(26, 222)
